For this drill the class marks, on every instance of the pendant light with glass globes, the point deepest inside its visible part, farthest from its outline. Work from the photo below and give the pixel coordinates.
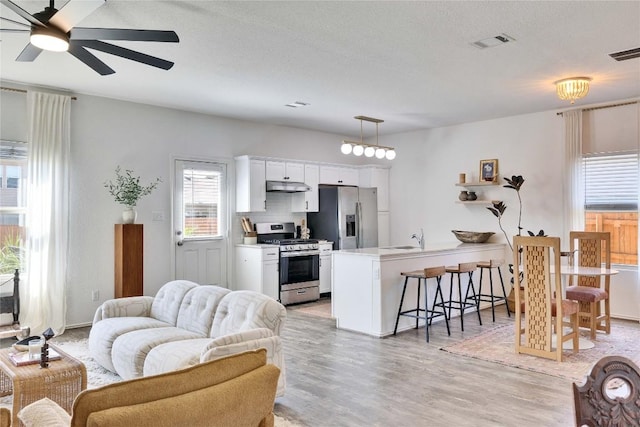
(360, 148)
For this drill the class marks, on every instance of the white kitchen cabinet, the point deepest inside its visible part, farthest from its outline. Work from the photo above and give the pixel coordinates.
(325, 266)
(308, 201)
(251, 190)
(378, 177)
(284, 171)
(338, 175)
(257, 269)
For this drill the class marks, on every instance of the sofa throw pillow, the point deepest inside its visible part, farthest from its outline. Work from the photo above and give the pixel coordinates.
(44, 412)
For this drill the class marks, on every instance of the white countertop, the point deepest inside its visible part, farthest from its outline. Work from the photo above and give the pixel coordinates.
(430, 249)
(257, 245)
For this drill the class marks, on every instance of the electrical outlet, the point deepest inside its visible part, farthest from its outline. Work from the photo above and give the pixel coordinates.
(95, 295)
(158, 215)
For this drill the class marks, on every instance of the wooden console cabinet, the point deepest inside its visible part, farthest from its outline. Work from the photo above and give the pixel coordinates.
(128, 260)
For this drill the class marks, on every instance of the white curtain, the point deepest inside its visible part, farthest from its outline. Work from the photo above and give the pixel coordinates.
(573, 172)
(43, 302)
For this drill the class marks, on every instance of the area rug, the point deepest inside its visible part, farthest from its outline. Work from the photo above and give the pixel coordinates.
(498, 345)
(319, 309)
(97, 376)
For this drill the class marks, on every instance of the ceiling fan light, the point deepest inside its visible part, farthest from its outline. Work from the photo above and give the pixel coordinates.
(380, 153)
(49, 39)
(358, 150)
(369, 151)
(391, 154)
(346, 148)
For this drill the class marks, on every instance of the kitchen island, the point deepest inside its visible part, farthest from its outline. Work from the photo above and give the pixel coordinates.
(367, 285)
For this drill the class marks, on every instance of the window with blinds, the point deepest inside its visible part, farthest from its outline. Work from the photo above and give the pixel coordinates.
(13, 170)
(201, 203)
(611, 182)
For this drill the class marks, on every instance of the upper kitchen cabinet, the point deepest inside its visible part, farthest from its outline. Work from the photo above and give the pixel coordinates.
(251, 189)
(308, 201)
(285, 171)
(338, 175)
(378, 177)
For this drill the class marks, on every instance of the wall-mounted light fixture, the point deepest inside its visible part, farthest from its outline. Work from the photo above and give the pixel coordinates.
(572, 88)
(360, 148)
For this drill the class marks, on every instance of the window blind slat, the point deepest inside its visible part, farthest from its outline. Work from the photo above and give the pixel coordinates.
(611, 181)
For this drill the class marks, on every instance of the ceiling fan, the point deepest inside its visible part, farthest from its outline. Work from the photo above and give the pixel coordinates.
(54, 30)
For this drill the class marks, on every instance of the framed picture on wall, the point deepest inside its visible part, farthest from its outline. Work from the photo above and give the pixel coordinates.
(488, 170)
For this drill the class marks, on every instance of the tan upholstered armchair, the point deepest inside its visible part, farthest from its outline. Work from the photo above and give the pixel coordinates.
(236, 390)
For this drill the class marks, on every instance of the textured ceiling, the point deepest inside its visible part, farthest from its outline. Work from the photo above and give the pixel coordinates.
(408, 63)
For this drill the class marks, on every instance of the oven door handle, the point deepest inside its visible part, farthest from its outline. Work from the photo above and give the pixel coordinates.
(299, 253)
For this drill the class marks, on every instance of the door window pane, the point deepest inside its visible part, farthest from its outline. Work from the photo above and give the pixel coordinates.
(201, 203)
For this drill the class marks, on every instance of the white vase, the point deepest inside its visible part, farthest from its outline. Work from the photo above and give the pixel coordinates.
(129, 216)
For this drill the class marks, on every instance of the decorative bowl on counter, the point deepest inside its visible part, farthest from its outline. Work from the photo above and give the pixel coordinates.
(472, 236)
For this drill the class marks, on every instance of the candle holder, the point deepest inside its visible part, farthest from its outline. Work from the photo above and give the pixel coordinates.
(44, 352)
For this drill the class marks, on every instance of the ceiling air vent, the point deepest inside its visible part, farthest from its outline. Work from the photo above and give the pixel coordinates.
(493, 41)
(626, 54)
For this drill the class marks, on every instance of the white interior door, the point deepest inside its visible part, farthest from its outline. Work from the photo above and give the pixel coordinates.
(200, 222)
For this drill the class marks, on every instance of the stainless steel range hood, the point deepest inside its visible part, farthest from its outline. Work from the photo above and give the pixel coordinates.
(287, 187)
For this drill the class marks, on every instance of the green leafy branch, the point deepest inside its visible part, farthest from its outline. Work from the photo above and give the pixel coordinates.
(127, 189)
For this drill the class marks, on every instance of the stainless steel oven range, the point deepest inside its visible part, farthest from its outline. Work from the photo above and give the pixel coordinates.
(299, 264)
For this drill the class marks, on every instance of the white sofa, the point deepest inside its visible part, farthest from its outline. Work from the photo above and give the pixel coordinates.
(185, 324)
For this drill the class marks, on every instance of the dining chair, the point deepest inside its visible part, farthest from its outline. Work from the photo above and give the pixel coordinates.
(610, 394)
(539, 317)
(591, 292)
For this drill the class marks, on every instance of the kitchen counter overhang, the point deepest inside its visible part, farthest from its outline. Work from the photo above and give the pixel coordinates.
(367, 285)
(392, 252)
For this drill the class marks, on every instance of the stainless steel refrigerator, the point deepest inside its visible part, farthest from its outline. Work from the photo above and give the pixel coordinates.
(348, 217)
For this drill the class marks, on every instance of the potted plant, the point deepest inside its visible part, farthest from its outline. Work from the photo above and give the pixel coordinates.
(127, 190)
(498, 209)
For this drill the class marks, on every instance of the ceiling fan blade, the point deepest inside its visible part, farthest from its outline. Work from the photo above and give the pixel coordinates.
(123, 34)
(13, 30)
(21, 12)
(125, 53)
(22, 24)
(90, 59)
(29, 53)
(73, 12)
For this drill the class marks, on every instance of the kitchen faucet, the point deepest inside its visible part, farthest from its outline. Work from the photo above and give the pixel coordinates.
(419, 238)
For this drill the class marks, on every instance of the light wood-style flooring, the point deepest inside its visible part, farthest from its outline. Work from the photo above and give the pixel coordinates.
(340, 378)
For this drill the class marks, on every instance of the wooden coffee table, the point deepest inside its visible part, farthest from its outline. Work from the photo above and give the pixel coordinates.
(60, 382)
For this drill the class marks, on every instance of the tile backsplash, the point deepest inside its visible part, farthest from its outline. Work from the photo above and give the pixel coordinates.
(278, 210)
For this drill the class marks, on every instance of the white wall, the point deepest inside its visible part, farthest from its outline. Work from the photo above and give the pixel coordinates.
(423, 191)
(429, 161)
(106, 133)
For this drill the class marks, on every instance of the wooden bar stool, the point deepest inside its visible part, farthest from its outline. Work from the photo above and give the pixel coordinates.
(494, 263)
(422, 276)
(468, 301)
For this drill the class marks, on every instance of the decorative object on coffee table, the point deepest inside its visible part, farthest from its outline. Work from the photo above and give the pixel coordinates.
(44, 351)
(127, 190)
